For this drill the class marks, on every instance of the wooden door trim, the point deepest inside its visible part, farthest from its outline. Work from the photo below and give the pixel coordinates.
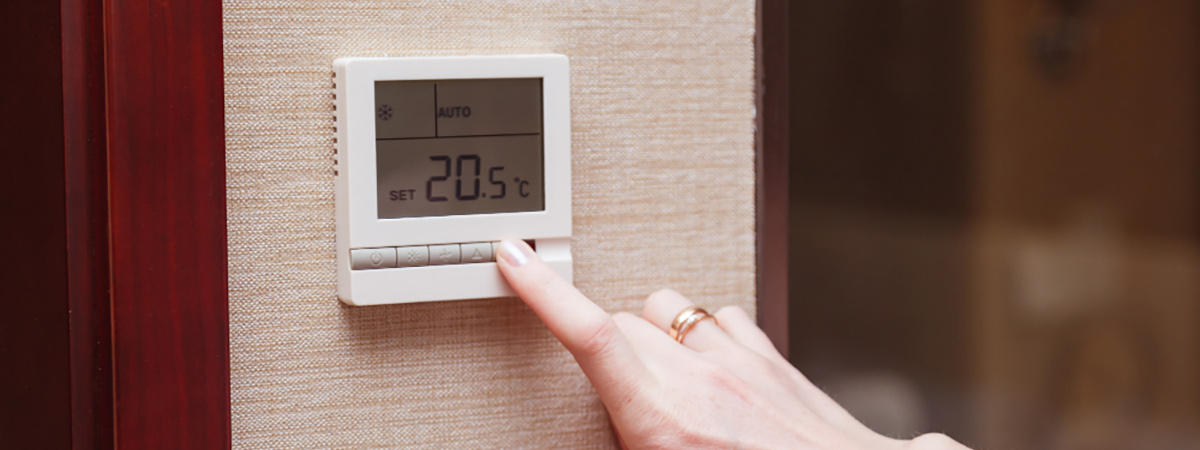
(771, 168)
(86, 183)
(166, 178)
(57, 385)
(35, 394)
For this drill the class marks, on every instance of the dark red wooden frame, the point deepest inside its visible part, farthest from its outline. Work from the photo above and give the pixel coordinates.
(117, 328)
(85, 157)
(121, 290)
(166, 180)
(771, 167)
(35, 349)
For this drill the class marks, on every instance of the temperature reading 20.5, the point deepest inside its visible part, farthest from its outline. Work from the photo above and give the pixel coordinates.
(467, 173)
(448, 176)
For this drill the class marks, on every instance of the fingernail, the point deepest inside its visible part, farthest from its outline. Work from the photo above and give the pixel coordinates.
(512, 253)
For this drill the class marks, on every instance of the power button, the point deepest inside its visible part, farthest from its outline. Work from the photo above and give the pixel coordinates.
(373, 258)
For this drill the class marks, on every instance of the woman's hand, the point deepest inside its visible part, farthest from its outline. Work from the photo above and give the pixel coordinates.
(725, 386)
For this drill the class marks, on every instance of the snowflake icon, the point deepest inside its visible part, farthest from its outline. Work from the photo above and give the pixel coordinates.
(385, 112)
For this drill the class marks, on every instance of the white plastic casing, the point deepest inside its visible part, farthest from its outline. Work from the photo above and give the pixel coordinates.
(358, 225)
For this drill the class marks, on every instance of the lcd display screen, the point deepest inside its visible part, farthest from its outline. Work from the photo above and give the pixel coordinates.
(454, 147)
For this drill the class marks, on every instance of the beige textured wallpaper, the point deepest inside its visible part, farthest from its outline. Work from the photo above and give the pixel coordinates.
(663, 117)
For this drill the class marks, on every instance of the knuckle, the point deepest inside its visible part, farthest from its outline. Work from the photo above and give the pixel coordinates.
(764, 368)
(736, 355)
(663, 430)
(754, 361)
(597, 336)
(721, 377)
(624, 321)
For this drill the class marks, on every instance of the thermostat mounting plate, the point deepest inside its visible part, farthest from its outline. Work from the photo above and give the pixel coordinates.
(440, 158)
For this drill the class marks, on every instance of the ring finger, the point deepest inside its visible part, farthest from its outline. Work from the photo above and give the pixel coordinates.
(661, 309)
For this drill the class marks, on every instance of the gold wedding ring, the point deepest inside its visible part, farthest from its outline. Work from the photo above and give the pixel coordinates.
(685, 320)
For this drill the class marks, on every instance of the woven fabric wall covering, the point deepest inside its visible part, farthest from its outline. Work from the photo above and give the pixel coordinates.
(662, 102)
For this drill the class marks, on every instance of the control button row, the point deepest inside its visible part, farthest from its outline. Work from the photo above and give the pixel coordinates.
(422, 255)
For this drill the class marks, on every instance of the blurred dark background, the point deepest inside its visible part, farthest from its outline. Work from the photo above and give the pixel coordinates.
(995, 217)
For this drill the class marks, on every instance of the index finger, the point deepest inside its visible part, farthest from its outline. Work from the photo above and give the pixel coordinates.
(586, 330)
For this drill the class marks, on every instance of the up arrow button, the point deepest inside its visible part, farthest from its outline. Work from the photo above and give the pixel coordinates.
(478, 252)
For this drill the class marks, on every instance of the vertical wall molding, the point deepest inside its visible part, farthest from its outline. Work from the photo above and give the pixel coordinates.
(86, 182)
(166, 169)
(55, 336)
(771, 167)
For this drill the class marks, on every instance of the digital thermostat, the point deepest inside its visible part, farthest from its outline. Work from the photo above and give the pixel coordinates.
(438, 159)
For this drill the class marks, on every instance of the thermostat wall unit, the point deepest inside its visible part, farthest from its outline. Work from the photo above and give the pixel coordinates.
(438, 159)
